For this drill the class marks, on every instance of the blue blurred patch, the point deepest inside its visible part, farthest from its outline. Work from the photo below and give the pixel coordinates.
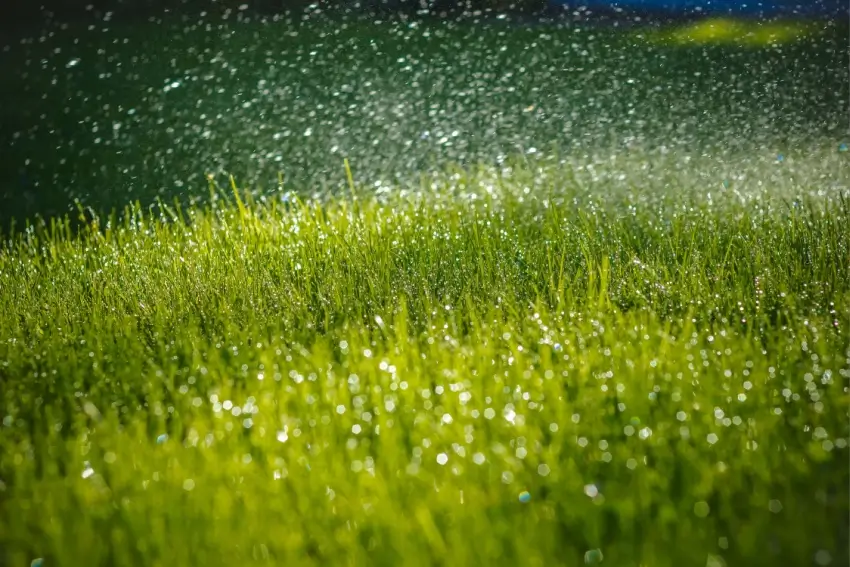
(715, 7)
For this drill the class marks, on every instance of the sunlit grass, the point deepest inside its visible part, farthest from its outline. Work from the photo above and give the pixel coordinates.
(531, 366)
(728, 31)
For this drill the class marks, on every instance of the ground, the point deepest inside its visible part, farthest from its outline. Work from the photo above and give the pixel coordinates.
(532, 364)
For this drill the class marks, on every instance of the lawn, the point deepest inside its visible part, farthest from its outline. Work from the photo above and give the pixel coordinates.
(535, 364)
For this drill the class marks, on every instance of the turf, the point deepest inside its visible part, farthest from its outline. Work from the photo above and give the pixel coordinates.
(532, 365)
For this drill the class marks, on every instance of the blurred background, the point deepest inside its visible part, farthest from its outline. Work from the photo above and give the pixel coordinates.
(105, 102)
(16, 11)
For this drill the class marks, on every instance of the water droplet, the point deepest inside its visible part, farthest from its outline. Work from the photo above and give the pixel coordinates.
(88, 471)
(161, 438)
(701, 509)
(593, 556)
(524, 496)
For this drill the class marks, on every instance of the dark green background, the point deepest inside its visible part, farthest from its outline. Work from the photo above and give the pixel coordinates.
(88, 112)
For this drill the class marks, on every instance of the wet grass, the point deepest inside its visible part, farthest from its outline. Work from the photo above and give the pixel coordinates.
(738, 32)
(534, 365)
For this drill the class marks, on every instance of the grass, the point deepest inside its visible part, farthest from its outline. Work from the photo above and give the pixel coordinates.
(532, 365)
(739, 32)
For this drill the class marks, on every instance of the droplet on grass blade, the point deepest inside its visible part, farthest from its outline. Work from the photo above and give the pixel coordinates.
(37, 562)
(593, 556)
(524, 496)
(91, 410)
(161, 438)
